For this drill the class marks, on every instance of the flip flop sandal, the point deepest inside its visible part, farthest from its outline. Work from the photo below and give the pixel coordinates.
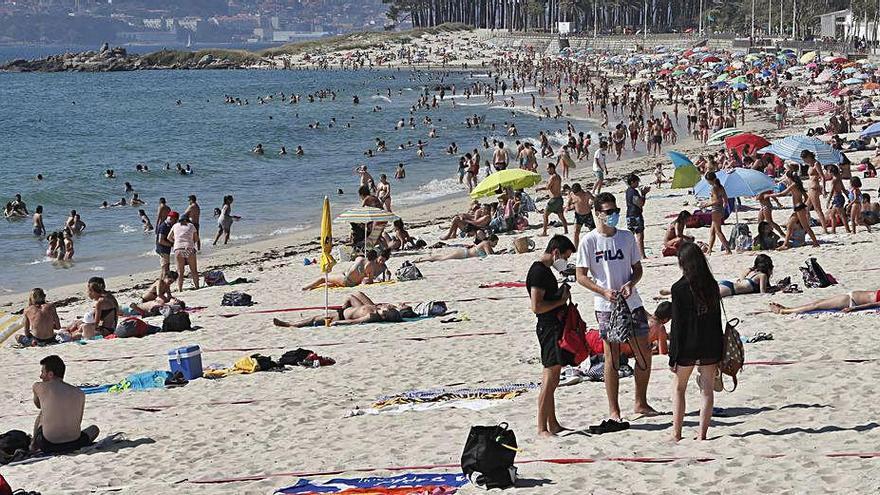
(451, 320)
(608, 426)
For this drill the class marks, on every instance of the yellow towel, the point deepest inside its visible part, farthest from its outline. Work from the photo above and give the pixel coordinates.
(359, 287)
(243, 366)
(9, 324)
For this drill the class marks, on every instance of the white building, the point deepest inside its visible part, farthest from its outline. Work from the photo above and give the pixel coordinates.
(842, 25)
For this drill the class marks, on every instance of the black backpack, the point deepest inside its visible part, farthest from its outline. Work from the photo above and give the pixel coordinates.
(176, 322)
(488, 456)
(815, 276)
(14, 442)
(237, 299)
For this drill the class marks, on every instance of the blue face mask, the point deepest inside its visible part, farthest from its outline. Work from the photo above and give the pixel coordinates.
(612, 219)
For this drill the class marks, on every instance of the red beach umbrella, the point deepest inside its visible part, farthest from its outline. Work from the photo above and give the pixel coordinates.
(740, 140)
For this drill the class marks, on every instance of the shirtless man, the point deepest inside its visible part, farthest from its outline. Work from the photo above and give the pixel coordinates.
(57, 427)
(600, 167)
(39, 228)
(40, 321)
(582, 203)
(368, 199)
(357, 309)
(365, 178)
(554, 187)
(477, 220)
(383, 192)
(499, 158)
(194, 211)
(162, 211)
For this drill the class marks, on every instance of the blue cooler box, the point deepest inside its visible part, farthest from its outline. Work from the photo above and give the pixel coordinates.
(187, 360)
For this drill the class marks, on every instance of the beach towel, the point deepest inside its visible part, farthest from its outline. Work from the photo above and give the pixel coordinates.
(447, 394)
(431, 483)
(243, 366)
(470, 404)
(144, 380)
(9, 324)
(506, 285)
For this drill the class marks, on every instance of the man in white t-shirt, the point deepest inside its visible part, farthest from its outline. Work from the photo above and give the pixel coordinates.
(612, 258)
(600, 167)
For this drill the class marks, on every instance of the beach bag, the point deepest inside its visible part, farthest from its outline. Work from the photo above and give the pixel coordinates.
(214, 277)
(814, 275)
(134, 327)
(237, 299)
(487, 459)
(733, 355)
(574, 334)
(176, 322)
(620, 325)
(741, 237)
(408, 271)
(430, 308)
(12, 442)
(523, 245)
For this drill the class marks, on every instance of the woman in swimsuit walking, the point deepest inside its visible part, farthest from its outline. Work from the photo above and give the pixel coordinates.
(798, 193)
(816, 188)
(836, 200)
(717, 201)
(184, 238)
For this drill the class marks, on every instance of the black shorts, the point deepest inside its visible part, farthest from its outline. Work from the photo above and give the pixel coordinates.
(636, 225)
(60, 448)
(586, 219)
(692, 119)
(549, 332)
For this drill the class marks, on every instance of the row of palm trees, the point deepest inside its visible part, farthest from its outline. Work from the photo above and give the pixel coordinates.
(615, 16)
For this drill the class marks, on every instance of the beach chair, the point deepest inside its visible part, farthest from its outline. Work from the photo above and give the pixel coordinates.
(9, 324)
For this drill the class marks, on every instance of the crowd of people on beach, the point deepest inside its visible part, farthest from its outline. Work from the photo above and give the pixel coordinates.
(602, 258)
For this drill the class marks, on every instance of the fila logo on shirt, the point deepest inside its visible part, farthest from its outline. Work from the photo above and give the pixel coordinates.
(609, 255)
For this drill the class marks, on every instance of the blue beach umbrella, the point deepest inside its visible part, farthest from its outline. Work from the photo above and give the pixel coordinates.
(790, 149)
(739, 183)
(872, 131)
(741, 86)
(678, 159)
(852, 80)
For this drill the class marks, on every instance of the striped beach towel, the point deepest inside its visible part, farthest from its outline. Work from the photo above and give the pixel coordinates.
(9, 324)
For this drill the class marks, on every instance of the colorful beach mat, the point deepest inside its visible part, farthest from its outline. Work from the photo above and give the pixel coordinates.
(420, 483)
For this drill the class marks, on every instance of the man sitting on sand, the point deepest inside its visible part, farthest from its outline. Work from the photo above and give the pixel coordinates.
(467, 222)
(357, 309)
(40, 321)
(57, 428)
(856, 300)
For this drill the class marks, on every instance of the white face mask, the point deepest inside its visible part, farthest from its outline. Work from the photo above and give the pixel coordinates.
(560, 265)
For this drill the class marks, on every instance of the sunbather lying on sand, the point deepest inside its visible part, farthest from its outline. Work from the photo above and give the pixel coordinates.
(480, 250)
(854, 301)
(755, 280)
(357, 308)
(365, 270)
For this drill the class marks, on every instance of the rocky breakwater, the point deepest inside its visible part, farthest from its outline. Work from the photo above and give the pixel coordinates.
(118, 59)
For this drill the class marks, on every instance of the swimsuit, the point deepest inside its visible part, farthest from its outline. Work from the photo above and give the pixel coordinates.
(839, 200)
(756, 287)
(585, 219)
(554, 205)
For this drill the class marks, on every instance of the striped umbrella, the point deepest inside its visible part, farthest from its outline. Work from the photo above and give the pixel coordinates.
(790, 148)
(366, 214)
(819, 107)
(718, 137)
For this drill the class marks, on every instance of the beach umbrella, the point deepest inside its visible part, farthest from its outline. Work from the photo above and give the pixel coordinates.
(514, 178)
(740, 140)
(685, 177)
(825, 76)
(849, 70)
(807, 57)
(718, 137)
(740, 86)
(637, 81)
(818, 107)
(852, 80)
(870, 86)
(738, 183)
(366, 214)
(711, 59)
(679, 159)
(327, 260)
(872, 131)
(790, 148)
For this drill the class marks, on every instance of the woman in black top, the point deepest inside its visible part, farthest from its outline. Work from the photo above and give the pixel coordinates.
(696, 338)
(547, 300)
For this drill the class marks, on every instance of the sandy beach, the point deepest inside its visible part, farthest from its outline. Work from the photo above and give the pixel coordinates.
(802, 420)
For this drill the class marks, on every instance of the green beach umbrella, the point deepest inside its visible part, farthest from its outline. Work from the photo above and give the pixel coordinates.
(718, 137)
(685, 177)
(515, 178)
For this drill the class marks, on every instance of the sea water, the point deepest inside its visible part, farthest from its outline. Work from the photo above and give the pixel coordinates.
(71, 127)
